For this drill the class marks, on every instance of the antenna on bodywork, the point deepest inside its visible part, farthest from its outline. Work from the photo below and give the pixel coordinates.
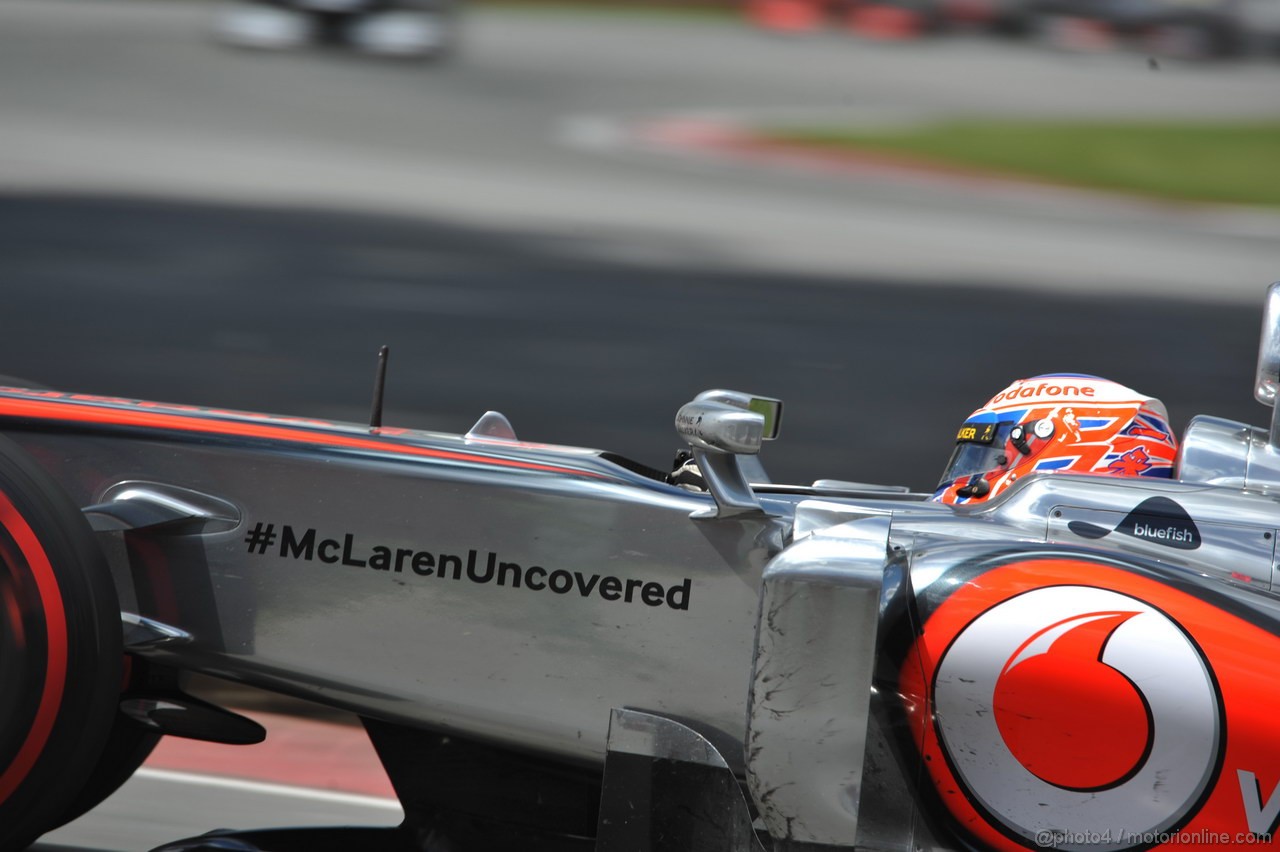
(379, 384)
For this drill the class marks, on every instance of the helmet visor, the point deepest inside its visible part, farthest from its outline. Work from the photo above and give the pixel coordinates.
(980, 448)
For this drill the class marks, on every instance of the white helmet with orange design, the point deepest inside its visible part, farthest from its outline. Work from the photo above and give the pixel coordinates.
(1063, 422)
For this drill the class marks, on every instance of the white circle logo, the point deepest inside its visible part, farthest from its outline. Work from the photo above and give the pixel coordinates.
(1071, 709)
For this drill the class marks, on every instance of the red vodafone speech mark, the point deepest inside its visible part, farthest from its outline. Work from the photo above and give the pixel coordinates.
(1234, 647)
(1077, 738)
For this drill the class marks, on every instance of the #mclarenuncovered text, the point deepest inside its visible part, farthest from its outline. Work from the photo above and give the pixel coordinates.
(307, 545)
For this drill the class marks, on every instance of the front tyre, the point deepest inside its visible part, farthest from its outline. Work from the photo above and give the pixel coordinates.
(60, 650)
(127, 747)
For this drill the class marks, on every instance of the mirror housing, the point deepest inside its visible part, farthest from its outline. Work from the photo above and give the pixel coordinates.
(726, 430)
(767, 407)
(718, 428)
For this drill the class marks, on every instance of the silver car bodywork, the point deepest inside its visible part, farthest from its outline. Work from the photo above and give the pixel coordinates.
(480, 597)
(578, 608)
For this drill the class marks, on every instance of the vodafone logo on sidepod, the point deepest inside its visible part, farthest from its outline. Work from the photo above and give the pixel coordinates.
(1070, 707)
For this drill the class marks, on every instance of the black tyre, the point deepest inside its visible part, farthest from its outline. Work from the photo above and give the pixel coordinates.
(128, 746)
(60, 650)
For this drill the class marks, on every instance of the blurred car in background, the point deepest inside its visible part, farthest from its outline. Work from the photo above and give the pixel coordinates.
(1190, 29)
(1004, 17)
(1184, 29)
(405, 28)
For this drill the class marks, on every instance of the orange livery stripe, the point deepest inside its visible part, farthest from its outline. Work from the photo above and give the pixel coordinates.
(111, 411)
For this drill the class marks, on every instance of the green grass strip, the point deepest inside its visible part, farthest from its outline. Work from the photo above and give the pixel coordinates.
(1218, 162)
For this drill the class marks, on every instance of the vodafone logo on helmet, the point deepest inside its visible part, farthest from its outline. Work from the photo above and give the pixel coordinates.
(1060, 390)
(1044, 390)
(1072, 707)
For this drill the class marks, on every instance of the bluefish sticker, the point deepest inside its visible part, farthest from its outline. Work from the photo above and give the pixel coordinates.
(1158, 520)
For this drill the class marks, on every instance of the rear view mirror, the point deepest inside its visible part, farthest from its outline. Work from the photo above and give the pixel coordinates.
(720, 428)
(726, 429)
(767, 407)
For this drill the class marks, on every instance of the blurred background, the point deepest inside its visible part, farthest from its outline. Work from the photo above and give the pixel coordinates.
(582, 215)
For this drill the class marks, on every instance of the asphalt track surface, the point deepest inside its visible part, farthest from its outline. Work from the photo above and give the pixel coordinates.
(190, 224)
(282, 311)
(178, 805)
(535, 126)
(309, 771)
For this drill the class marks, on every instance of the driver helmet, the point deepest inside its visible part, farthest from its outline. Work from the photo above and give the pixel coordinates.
(1058, 422)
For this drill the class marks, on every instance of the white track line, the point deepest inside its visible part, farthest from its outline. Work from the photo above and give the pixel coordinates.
(329, 796)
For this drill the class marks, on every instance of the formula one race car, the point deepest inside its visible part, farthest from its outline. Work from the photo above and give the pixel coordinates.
(423, 29)
(1187, 29)
(559, 648)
